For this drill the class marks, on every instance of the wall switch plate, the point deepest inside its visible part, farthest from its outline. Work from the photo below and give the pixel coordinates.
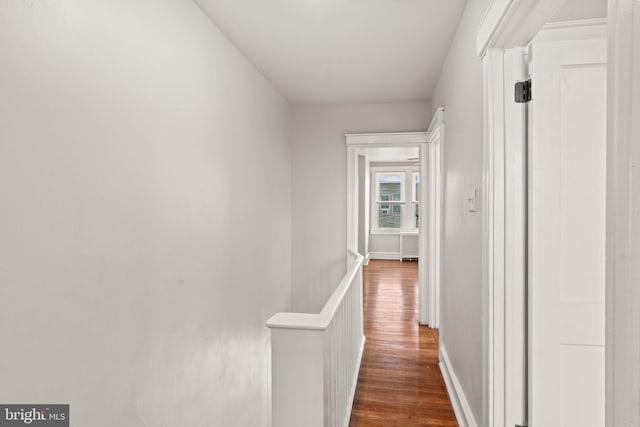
(471, 199)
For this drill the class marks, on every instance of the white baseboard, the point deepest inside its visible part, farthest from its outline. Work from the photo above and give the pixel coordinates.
(366, 259)
(461, 407)
(354, 383)
(384, 255)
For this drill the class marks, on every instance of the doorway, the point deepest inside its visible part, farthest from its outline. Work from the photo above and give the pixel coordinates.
(419, 210)
(512, 23)
(545, 159)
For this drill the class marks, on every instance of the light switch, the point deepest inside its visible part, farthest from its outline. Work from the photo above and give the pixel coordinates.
(471, 198)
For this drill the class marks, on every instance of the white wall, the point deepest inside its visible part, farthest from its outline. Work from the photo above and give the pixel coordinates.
(459, 91)
(129, 129)
(384, 243)
(319, 188)
(581, 9)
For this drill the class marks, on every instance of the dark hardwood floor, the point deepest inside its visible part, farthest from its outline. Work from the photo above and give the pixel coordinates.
(400, 383)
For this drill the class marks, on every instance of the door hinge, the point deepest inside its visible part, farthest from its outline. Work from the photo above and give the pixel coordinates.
(523, 94)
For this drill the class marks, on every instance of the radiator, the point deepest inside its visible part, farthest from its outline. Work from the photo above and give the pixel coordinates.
(409, 245)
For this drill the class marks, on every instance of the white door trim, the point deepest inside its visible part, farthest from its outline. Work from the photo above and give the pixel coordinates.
(504, 236)
(492, 233)
(435, 211)
(513, 23)
(623, 215)
(416, 139)
(506, 24)
(386, 139)
(515, 246)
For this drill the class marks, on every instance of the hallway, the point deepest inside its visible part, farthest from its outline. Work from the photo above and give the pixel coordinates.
(400, 383)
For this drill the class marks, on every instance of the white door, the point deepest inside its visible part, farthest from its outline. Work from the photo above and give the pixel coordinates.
(567, 149)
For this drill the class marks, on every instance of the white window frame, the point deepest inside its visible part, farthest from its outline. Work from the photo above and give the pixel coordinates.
(407, 200)
(415, 202)
(414, 196)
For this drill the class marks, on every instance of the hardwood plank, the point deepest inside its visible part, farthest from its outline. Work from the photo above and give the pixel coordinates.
(399, 384)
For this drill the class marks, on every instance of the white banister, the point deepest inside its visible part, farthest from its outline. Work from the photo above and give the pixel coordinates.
(315, 358)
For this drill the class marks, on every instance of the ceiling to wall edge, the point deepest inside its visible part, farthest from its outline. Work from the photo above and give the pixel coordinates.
(292, 102)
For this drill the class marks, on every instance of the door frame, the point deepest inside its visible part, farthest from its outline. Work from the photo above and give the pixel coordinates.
(510, 24)
(354, 142)
(622, 349)
(435, 190)
(504, 231)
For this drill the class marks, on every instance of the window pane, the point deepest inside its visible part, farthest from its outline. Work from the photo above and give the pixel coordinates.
(416, 214)
(390, 187)
(416, 186)
(390, 178)
(389, 216)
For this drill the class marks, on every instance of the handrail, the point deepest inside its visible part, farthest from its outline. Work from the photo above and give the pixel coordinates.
(315, 358)
(322, 320)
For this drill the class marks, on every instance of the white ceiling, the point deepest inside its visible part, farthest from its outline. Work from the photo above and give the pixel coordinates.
(342, 51)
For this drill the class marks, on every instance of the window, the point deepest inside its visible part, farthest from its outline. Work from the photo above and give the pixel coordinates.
(395, 203)
(389, 189)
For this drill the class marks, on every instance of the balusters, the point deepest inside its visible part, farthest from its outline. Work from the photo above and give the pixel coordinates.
(338, 331)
